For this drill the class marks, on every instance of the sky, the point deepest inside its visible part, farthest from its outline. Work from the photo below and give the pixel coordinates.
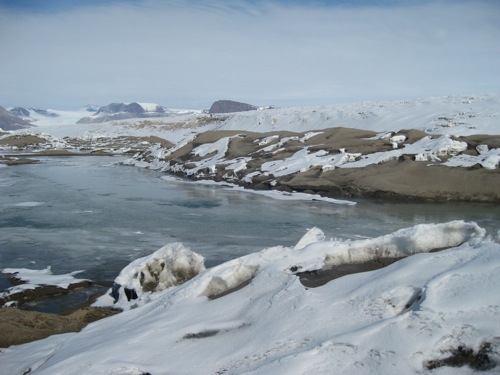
(65, 54)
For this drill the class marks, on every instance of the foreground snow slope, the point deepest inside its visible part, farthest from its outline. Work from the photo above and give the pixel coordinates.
(390, 321)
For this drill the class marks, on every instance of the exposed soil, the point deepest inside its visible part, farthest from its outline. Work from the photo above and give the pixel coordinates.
(316, 278)
(19, 326)
(464, 356)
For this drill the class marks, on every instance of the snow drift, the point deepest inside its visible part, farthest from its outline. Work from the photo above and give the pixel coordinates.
(404, 318)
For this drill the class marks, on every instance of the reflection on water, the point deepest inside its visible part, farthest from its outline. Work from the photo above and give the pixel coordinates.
(86, 213)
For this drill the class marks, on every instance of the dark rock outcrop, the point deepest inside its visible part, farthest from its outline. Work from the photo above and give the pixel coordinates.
(8, 121)
(228, 106)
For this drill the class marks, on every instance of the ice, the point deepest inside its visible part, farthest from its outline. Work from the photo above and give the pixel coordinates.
(28, 204)
(34, 278)
(313, 235)
(171, 265)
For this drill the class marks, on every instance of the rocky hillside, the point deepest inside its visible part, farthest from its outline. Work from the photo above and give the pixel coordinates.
(341, 162)
(8, 121)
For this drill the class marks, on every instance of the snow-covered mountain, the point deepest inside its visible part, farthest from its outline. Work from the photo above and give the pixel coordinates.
(9, 121)
(29, 113)
(123, 111)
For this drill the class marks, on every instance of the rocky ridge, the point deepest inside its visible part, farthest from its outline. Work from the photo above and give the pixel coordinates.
(339, 162)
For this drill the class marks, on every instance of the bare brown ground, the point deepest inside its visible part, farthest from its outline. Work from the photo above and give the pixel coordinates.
(403, 179)
(19, 326)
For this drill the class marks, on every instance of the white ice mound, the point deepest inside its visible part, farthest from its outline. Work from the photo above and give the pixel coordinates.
(313, 235)
(421, 238)
(171, 265)
(230, 279)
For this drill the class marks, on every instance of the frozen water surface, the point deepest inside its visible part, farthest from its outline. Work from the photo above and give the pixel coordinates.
(89, 213)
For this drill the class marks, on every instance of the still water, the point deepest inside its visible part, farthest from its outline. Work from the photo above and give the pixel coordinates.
(88, 213)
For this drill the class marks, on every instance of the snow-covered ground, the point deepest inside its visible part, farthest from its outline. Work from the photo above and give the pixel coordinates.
(454, 115)
(252, 314)
(394, 320)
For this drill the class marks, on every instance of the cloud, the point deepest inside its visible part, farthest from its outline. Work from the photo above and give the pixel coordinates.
(188, 54)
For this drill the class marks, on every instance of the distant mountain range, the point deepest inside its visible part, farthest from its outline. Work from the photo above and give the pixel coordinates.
(123, 111)
(20, 117)
(9, 121)
(24, 113)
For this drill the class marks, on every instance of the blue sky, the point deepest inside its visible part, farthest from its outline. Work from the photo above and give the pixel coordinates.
(46, 6)
(187, 54)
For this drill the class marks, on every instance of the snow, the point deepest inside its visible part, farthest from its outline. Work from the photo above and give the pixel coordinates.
(252, 314)
(35, 278)
(425, 149)
(28, 204)
(149, 107)
(489, 159)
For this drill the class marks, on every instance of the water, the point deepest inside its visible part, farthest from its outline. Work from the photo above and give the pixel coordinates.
(87, 213)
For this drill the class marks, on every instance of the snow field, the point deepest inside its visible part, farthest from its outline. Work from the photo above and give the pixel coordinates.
(392, 320)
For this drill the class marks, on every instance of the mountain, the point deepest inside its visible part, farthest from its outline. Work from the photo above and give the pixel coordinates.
(9, 121)
(44, 112)
(24, 113)
(123, 111)
(20, 112)
(228, 106)
(91, 108)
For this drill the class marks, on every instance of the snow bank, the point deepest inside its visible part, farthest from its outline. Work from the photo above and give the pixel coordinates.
(312, 252)
(421, 238)
(389, 321)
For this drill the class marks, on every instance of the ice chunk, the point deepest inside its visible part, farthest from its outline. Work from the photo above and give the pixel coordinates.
(230, 279)
(418, 239)
(169, 266)
(313, 235)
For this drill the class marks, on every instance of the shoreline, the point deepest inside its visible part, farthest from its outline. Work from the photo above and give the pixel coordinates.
(247, 164)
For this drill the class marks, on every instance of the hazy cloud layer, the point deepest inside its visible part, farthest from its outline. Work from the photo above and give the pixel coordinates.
(187, 54)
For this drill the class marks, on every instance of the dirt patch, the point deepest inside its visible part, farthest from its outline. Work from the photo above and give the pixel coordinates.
(19, 326)
(464, 356)
(492, 141)
(351, 140)
(22, 140)
(402, 179)
(316, 278)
